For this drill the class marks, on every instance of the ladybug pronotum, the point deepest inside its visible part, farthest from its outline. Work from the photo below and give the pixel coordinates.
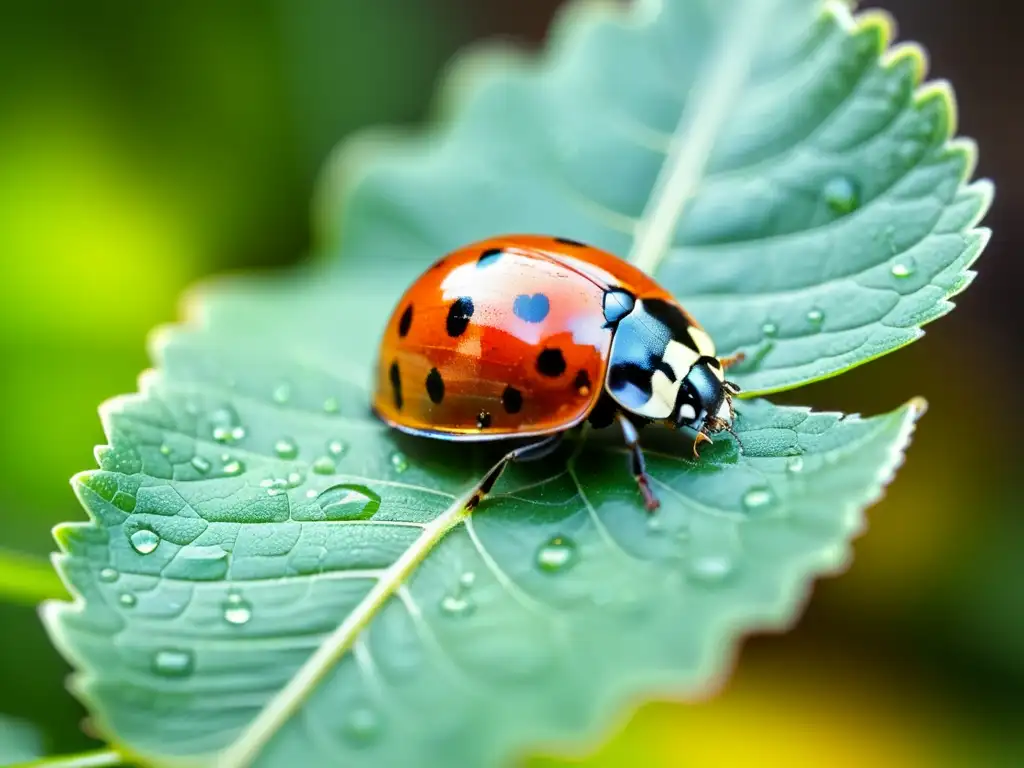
(527, 336)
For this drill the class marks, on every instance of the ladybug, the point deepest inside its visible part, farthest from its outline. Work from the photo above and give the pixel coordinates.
(527, 336)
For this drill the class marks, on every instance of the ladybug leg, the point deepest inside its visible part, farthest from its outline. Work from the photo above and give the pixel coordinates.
(739, 357)
(636, 462)
(530, 452)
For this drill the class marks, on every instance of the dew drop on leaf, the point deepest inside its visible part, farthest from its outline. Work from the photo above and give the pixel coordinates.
(108, 575)
(237, 610)
(457, 605)
(227, 427)
(144, 541)
(710, 569)
(324, 465)
(758, 499)
(795, 464)
(815, 316)
(173, 662)
(654, 524)
(398, 462)
(286, 448)
(556, 555)
(336, 448)
(201, 465)
(331, 405)
(770, 329)
(841, 194)
(127, 599)
(233, 467)
(467, 579)
(348, 502)
(902, 270)
(362, 725)
(282, 394)
(165, 450)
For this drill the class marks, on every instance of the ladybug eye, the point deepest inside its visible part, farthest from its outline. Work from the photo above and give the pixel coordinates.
(617, 304)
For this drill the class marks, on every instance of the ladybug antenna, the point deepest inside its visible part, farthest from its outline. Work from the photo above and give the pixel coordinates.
(729, 429)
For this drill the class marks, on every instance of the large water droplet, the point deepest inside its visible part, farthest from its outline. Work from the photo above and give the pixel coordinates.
(710, 569)
(362, 725)
(201, 465)
(348, 502)
(286, 448)
(324, 465)
(758, 499)
(173, 662)
(282, 393)
(108, 574)
(336, 448)
(398, 462)
(237, 610)
(902, 270)
(457, 605)
(841, 194)
(795, 464)
(233, 467)
(556, 555)
(144, 541)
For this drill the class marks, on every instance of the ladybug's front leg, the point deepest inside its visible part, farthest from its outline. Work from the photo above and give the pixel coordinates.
(636, 462)
(530, 452)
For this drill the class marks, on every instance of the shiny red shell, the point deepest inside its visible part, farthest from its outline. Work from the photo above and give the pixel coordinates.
(502, 338)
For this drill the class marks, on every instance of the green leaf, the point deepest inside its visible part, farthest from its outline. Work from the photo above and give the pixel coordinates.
(772, 162)
(270, 575)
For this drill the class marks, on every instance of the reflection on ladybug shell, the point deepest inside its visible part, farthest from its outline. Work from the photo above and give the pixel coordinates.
(508, 337)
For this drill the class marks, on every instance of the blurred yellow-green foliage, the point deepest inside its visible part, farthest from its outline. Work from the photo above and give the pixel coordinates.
(144, 146)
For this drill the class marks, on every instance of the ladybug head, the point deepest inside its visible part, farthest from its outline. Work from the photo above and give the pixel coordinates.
(704, 400)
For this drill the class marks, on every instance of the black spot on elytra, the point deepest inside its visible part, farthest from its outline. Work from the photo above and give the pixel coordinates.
(512, 400)
(667, 369)
(396, 384)
(488, 257)
(435, 386)
(405, 323)
(567, 241)
(458, 316)
(532, 309)
(551, 362)
(483, 420)
(582, 382)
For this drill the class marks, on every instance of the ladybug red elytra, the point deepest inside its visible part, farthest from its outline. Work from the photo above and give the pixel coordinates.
(528, 336)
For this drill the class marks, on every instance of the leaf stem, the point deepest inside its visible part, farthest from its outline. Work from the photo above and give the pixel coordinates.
(699, 127)
(28, 580)
(97, 758)
(279, 709)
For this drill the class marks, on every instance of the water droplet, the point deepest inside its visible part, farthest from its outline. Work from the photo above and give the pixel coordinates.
(233, 467)
(165, 449)
(710, 569)
(348, 502)
(457, 605)
(237, 610)
(127, 599)
(770, 329)
(282, 394)
(758, 499)
(795, 464)
(902, 270)
(331, 405)
(144, 541)
(654, 523)
(467, 579)
(226, 426)
(841, 194)
(398, 462)
(815, 316)
(557, 554)
(362, 725)
(336, 448)
(201, 465)
(108, 575)
(286, 448)
(173, 662)
(311, 493)
(324, 466)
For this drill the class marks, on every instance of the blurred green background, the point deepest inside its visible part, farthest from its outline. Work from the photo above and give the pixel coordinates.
(144, 146)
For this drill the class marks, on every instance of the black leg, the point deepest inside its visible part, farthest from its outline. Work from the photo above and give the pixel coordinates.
(636, 463)
(530, 452)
